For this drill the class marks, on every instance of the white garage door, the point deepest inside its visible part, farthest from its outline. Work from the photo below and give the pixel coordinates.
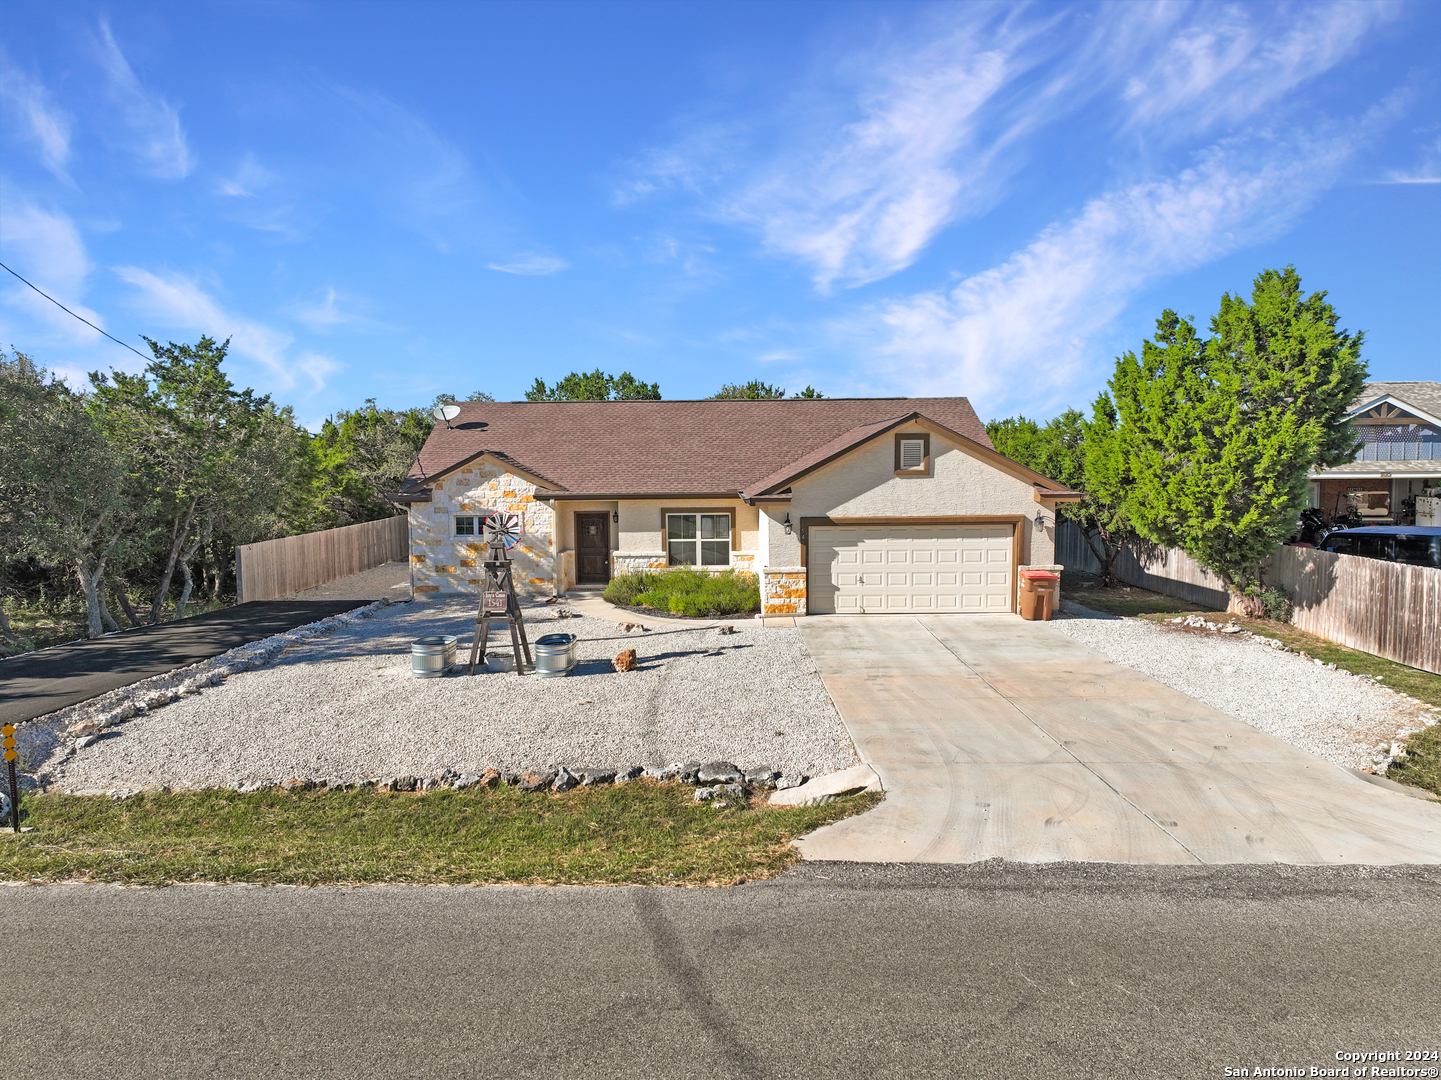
(856, 569)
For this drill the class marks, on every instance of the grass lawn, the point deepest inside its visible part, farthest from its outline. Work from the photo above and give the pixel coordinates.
(640, 833)
(1422, 767)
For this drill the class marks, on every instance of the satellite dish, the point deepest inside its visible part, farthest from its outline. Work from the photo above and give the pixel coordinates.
(446, 413)
(502, 530)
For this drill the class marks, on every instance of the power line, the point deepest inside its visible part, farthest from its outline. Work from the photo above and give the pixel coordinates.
(82, 318)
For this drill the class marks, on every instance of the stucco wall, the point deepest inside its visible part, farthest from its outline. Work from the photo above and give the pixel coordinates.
(641, 528)
(445, 563)
(863, 483)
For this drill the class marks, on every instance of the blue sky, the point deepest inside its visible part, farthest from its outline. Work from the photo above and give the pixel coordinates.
(393, 201)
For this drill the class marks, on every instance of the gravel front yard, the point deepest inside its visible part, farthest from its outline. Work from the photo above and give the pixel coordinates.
(1347, 720)
(345, 706)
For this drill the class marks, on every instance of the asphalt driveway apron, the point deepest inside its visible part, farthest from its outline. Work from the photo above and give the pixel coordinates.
(40, 682)
(998, 738)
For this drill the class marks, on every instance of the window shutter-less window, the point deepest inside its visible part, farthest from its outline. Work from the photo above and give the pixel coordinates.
(913, 453)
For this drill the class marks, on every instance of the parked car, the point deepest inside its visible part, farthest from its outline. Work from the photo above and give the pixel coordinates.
(1419, 545)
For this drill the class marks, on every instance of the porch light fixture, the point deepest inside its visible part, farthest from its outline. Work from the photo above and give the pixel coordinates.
(787, 524)
(615, 517)
(1040, 520)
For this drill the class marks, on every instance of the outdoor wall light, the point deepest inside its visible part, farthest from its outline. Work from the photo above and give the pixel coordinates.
(1040, 520)
(615, 517)
(787, 524)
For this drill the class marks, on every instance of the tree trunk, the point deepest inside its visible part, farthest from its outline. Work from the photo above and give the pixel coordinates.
(182, 532)
(189, 580)
(6, 630)
(117, 586)
(90, 586)
(106, 617)
(1106, 555)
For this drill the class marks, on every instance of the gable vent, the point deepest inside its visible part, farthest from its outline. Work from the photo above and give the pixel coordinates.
(913, 453)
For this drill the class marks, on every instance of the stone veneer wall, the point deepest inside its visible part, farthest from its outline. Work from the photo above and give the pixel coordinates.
(783, 590)
(635, 562)
(445, 563)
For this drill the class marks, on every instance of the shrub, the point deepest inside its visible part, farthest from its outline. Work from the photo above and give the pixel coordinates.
(687, 591)
(1275, 603)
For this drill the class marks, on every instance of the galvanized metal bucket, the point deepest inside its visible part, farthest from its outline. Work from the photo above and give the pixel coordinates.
(554, 655)
(432, 657)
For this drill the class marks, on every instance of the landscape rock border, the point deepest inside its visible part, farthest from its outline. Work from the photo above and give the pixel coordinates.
(729, 782)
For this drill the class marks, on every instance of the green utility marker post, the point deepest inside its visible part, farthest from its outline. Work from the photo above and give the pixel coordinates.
(10, 755)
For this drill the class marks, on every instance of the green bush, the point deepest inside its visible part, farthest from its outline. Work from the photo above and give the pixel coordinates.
(1275, 603)
(687, 591)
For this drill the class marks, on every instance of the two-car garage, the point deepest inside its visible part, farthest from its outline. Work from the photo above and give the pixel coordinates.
(929, 567)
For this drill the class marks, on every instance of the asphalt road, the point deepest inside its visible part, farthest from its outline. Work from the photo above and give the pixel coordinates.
(40, 682)
(992, 970)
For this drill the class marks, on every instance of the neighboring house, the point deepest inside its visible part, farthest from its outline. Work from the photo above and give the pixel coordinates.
(1400, 425)
(839, 505)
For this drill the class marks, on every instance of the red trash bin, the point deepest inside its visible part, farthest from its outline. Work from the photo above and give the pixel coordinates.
(1038, 594)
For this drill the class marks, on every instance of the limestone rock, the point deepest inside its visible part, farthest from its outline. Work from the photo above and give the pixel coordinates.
(626, 775)
(625, 661)
(824, 788)
(719, 772)
(535, 781)
(564, 780)
(763, 777)
(591, 777)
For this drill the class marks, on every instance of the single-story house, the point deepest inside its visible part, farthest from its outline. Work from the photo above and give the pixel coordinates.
(839, 505)
(1399, 461)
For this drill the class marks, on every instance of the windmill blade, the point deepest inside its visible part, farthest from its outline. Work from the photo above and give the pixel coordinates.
(502, 530)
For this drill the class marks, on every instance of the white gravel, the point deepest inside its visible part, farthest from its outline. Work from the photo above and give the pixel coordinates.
(345, 706)
(1350, 721)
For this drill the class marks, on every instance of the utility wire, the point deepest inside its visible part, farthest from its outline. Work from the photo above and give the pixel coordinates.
(82, 318)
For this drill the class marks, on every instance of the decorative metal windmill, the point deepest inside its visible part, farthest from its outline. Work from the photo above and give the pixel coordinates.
(502, 531)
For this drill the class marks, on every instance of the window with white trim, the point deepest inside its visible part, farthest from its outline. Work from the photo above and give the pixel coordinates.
(913, 453)
(465, 526)
(698, 539)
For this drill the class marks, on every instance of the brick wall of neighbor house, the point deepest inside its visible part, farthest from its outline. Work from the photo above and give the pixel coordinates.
(445, 563)
(783, 590)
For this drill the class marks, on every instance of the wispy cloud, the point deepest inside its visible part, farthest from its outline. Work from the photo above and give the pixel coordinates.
(152, 123)
(46, 247)
(1427, 169)
(177, 301)
(531, 265)
(1022, 333)
(941, 117)
(250, 176)
(409, 166)
(32, 110)
(1231, 61)
(333, 310)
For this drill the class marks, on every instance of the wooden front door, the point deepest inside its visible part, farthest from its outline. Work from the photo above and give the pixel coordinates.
(592, 548)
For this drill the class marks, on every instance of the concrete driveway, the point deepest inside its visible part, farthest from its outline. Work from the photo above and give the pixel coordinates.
(998, 738)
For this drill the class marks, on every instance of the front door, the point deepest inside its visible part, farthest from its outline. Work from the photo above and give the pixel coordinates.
(592, 548)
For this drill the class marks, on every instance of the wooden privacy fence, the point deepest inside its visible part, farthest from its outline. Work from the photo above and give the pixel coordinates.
(293, 564)
(1385, 608)
(1162, 570)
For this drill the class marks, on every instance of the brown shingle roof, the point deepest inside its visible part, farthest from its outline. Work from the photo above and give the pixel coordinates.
(637, 448)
